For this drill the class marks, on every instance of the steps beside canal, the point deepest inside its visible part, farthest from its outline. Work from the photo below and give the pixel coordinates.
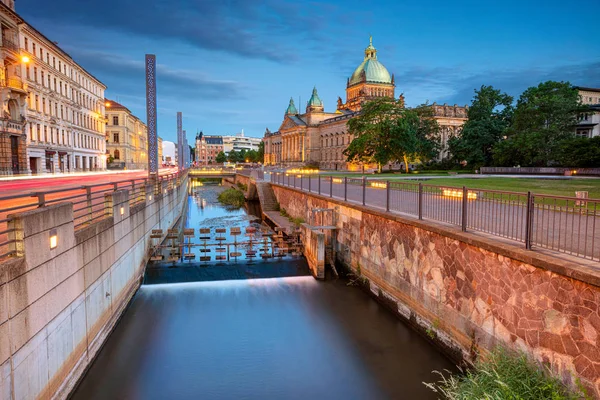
(268, 202)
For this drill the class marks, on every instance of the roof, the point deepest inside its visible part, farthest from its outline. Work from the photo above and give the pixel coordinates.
(291, 108)
(14, 14)
(114, 105)
(370, 70)
(214, 140)
(588, 89)
(296, 119)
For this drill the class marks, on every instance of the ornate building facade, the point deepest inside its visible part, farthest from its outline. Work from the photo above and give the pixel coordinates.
(126, 137)
(318, 137)
(207, 148)
(53, 109)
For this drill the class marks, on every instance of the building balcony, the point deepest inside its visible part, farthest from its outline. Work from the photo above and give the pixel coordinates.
(12, 83)
(10, 44)
(11, 127)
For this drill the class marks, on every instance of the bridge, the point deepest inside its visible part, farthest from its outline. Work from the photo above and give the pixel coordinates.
(470, 267)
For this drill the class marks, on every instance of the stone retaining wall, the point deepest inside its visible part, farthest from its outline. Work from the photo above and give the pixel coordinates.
(470, 292)
(57, 306)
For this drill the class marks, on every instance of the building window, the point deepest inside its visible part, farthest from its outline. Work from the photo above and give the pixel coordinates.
(27, 72)
(26, 44)
(117, 155)
(115, 137)
(41, 53)
(33, 48)
(38, 132)
(115, 120)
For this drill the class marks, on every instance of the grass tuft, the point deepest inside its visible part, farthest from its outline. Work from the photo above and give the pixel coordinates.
(232, 197)
(504, 375)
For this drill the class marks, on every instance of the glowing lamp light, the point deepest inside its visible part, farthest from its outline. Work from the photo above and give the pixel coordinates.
(53, 239)
(337, 180)
(122, 211)
(25, 59)
(107, 104)
(378, 185)
(458, 193)
(165, 191)
(150, 198)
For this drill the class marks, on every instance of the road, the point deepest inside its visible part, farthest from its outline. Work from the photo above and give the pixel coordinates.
(85, 191)
(25, 185)
(571, 230)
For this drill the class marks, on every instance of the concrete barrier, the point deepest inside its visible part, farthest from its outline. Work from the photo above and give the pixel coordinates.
(63, 293)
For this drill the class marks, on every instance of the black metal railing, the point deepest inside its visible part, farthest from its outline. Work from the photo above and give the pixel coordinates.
(565, 224)
(89, 204)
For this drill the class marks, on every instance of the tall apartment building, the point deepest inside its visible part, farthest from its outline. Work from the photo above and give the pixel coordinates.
(208, 148)
(57, 104)
(126, 137)
(589, 122)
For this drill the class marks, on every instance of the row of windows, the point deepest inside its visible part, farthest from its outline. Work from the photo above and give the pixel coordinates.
(51, 135)
(54, 109)
(49, 81)
(59, 66)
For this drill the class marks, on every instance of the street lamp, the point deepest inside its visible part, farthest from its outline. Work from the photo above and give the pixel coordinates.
(25, 59)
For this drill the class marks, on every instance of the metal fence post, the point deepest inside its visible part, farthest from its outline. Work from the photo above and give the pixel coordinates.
(420, 201)
(464, 208)
(319, 178)
(309, 184)
(41, 199)
(301, 182)
(88, 191)
(331, 186)
(132, 195)
(345, 188)
(387, 196)
(364, 190)
(529, 221)
(294, 181)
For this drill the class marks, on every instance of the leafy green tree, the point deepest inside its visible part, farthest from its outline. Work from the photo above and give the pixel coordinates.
(260, 156)
(234, 156)
(221, 158)
(545, 115)
(579, 152)
(252, 156)
(489, 117)
(386, 132)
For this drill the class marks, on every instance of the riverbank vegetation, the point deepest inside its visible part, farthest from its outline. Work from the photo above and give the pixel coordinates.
(232, 197)
(504, 375)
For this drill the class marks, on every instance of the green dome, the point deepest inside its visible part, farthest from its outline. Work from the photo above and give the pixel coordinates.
(373, 70)
(315, 100)
(291, 108)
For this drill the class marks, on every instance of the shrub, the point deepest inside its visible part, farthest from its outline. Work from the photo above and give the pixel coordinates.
(232, 197)
(242, 186)
(504, 375)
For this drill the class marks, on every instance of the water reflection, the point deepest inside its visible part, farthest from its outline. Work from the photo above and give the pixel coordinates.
(284, 338)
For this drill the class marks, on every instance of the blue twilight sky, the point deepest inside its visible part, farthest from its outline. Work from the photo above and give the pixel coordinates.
(230, 65)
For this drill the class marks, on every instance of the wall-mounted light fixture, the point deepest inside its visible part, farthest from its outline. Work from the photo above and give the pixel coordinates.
(122, 210)
(150, 198)
(53, 239)
(165, 191)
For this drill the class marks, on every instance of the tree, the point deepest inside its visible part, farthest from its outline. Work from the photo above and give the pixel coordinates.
(579, 152)
(234, 156)
(386, 132)
(252, 156)
(489, 117)
(545, 115)
(221, 158)
(260, 156)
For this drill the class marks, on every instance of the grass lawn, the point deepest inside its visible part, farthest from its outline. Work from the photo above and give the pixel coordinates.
(560, 187)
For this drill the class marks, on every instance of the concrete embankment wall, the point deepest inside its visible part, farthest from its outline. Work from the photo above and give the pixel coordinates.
(469, 292)
(57, 306)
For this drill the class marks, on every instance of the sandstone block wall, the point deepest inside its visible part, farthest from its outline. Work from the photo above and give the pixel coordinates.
(469, 292)
(57, 306)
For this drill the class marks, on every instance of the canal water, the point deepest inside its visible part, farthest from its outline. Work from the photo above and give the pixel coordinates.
(263, 338)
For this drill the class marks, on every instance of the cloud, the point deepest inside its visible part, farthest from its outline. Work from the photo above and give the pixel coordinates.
(129, 77)
(456, 85)
(248, 28)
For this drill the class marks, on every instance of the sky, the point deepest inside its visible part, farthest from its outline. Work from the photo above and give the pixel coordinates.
(230, 65)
